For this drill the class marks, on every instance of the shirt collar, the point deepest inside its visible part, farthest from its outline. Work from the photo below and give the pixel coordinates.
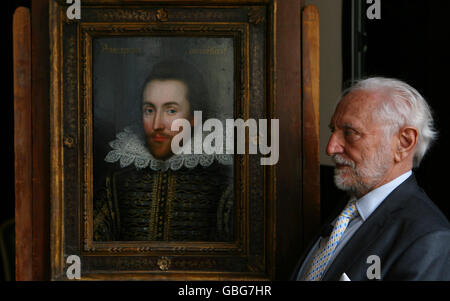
(369, 202)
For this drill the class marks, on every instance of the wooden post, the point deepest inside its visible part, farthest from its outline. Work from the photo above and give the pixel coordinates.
(41, 138)
(289, 237)
(311, 118)
(23, 161)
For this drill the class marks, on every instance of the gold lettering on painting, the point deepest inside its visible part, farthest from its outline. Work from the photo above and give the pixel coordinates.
(121, 51)
(207, 51)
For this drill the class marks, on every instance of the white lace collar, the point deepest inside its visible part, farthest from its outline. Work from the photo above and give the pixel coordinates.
(130, 148)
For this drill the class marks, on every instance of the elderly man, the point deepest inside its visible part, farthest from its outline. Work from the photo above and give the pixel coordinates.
(388, 229)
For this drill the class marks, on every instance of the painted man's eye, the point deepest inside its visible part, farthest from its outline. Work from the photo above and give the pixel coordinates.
(148, 110)
(171, 111)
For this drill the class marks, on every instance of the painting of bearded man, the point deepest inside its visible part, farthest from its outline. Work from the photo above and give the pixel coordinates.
(152, 194)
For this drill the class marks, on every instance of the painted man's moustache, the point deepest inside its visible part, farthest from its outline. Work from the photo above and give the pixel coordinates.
(153, 135)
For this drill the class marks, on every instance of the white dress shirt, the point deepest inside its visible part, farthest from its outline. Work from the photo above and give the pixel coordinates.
(366, 205)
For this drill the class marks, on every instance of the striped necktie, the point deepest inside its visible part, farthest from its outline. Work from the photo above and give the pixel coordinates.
(324, 254)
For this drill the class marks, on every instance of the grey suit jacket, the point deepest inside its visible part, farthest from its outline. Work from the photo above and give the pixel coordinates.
(407, 232)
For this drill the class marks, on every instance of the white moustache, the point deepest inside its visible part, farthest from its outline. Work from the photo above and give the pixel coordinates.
(338, 159)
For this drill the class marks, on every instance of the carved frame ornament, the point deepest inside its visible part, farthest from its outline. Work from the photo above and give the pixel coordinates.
(251, 254)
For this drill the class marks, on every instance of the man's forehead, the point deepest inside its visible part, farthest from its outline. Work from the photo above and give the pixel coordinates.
(359, 99)
(165, 91)
(163, 104)
(355, 108)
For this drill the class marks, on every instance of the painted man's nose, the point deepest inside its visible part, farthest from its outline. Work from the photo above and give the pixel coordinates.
(158, 122)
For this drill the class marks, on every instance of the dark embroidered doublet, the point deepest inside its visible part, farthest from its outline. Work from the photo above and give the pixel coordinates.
(190, 204)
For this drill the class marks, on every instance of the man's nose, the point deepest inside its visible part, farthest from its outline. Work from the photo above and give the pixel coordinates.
(158, 123)
(335, 145)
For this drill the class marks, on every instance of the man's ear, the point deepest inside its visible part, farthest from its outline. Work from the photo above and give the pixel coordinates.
(407, 141)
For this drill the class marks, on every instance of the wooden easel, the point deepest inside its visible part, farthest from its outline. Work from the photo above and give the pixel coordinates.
(31, 140)
(298, 212)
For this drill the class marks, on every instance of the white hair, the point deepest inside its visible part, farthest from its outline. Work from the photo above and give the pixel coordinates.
(403, 106)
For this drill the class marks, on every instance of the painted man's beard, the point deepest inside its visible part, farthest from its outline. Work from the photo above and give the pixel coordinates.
(161, 150)
(360, 180)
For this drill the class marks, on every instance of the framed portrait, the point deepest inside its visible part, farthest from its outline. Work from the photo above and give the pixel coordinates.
(121, 199)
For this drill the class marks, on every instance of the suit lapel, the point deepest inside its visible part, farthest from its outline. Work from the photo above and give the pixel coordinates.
(358, 244)
(306, 252)
(341, 204)
(369, 231)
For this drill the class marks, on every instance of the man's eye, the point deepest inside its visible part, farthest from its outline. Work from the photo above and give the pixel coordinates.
(348, 132)
(351, 134)
(171, 111)
(148, 110)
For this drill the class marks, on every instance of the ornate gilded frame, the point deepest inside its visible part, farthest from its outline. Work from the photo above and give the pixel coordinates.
(251, 255)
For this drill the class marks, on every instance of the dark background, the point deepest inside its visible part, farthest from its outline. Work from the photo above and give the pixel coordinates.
(410, 42)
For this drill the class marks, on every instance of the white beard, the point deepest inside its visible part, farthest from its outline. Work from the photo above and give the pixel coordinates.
(360, 180)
